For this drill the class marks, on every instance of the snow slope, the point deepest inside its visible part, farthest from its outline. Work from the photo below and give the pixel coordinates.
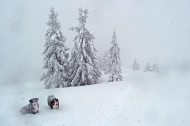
(141, 99)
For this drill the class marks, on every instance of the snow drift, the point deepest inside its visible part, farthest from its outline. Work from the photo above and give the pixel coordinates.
(141, 99)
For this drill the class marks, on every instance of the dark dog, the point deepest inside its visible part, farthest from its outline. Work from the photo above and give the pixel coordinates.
(53, 102)
(32, 107)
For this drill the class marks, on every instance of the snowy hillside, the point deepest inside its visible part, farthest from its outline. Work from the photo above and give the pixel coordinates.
(142, 99)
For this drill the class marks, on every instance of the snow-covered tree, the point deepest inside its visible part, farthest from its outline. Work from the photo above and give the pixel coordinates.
(83, 63)
(135, 66)
(101, 62)
(155, 68)
(147, 68)
(114, 63)
(105, 61)
(55, 55)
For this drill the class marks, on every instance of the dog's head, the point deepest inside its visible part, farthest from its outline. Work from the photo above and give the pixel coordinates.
(54, 104)
(34, 105)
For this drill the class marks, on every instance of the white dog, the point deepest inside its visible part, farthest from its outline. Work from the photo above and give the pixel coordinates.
(32, 107)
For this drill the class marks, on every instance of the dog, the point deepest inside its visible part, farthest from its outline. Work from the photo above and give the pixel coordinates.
(32, 107)
(53, 102)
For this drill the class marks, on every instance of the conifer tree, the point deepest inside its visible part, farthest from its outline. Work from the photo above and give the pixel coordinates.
(155, 68)
(83, 63)
(105, 61)
(114, 63)
(135, 66)
(101, 62)
(147, 68)
(55, 55)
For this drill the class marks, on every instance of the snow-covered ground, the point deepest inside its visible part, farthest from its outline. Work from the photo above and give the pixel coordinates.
(141, 99)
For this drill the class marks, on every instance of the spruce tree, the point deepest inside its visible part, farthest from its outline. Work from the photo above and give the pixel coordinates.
(114, 63)
(105, 61)
(83, 64)
(155, 68)
(55, 55)
(135, 66)
(101, 62)
(147, 68)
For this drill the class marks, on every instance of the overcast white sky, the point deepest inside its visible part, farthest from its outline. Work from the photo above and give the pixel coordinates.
(148, 30)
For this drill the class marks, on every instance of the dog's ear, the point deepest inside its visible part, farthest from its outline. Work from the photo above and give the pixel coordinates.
(33, 99)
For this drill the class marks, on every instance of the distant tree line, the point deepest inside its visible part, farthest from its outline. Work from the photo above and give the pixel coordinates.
(154, 68)
(148, 68)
